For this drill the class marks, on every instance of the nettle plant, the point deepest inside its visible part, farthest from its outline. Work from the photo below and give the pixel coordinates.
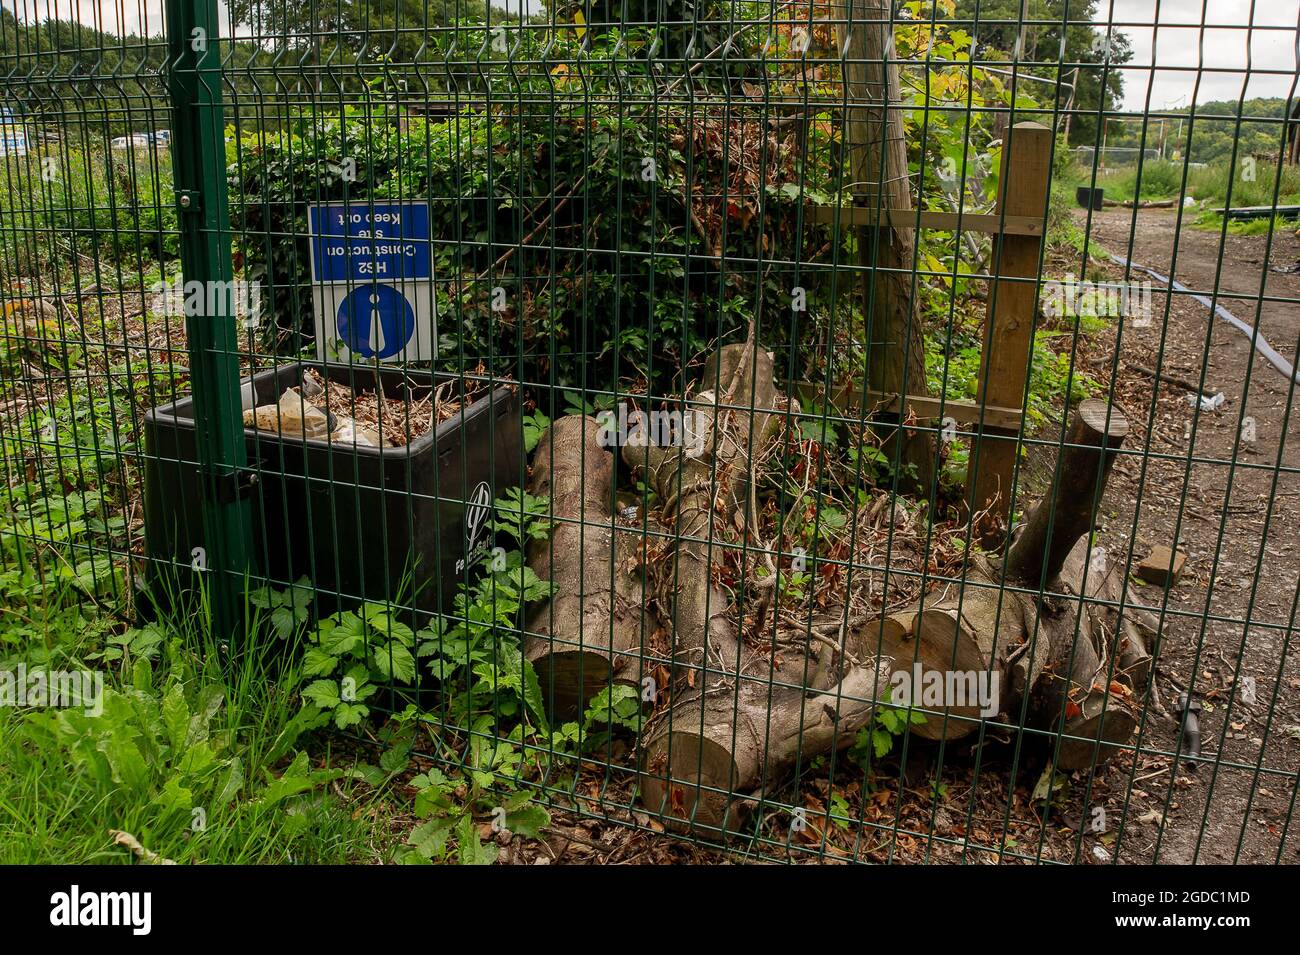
(473, 656)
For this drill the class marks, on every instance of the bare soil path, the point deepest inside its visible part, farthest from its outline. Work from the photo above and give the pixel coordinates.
(1224, 486)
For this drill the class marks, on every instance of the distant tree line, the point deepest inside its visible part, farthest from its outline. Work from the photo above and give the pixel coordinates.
(68, 77)
(1207, 133)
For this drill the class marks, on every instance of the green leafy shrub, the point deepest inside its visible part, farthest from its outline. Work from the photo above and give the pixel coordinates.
(354, 654)
(473, 655)
(598, 220)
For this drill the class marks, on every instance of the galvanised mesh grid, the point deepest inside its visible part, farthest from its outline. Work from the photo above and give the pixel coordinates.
(842, 430)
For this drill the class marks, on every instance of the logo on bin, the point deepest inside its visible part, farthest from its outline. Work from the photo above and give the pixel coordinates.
(476, 526)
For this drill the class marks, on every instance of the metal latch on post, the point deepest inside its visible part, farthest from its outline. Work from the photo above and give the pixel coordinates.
(188, 200)
(230, 486)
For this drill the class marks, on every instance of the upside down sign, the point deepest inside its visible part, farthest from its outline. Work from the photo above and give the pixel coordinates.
(372, 281)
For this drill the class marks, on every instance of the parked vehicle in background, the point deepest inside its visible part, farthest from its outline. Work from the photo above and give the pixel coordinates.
(159, 137)
(13, 135)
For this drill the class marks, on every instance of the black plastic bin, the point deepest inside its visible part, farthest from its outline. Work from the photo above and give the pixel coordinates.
(405, 524)
(1090, 198)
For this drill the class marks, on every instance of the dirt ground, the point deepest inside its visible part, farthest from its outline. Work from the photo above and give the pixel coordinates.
(1234, 507)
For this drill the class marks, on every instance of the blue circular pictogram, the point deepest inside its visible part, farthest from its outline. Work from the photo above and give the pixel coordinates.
(375, 321)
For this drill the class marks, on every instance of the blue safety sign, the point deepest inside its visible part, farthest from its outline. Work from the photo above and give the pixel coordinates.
(372, 281)
(375, 321)
(363, 242)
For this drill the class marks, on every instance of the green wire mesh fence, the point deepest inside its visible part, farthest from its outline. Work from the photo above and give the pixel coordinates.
(850, 430)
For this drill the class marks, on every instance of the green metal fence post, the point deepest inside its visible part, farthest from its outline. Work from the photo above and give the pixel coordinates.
(199, 164)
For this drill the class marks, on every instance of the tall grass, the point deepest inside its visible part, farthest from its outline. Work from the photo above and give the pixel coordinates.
(109, 205)
(186, 725)
(1252, 182)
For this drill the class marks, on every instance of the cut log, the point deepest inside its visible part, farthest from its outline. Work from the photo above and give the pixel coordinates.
(1123, 626)
(718, 747)
(988, 647)
(1082, 693)
(1134, 657)
(890, 635)
(1138, 629)
(1071, 652)
(590, 633)
(971, 639)
(707, 489)
(1069, 509)
(744, 721)
(739, 717)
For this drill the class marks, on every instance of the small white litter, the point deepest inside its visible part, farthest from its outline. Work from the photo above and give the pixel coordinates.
(1207, 402)
(292, 415)
(349, 432)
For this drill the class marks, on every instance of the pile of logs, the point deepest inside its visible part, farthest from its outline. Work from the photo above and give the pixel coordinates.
(1042, 623)
(1045, 620)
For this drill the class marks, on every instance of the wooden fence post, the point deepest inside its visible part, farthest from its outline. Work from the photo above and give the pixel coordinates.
(1009, 332)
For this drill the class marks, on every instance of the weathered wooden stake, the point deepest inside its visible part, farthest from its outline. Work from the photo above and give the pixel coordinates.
(1013, 303)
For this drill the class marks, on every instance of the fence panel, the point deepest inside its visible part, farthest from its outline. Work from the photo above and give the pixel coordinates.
(830, 430)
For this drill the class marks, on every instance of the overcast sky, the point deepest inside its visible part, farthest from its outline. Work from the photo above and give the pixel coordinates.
(1234, 35)
(1263, 30)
